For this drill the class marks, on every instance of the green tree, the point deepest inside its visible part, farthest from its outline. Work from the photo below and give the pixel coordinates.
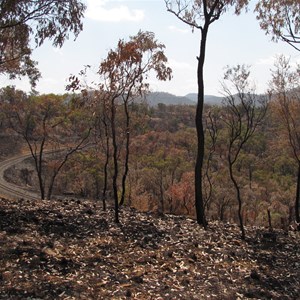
(22, 20)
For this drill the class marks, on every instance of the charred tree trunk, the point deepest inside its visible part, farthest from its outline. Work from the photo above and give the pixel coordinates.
(297, 204)
(269, 220)
(199, 202)
(38, 163)
(238, 197)
(107, 155)
(63, 162)
(126, 166)
(222, 208)
(115, 161)
(161, 194)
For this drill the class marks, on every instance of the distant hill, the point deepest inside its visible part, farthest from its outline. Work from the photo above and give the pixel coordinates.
(161, 97)
(208, 99)
(190, 99)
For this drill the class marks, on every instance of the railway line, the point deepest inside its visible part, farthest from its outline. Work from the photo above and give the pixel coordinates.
(11, 190)
(14, 191)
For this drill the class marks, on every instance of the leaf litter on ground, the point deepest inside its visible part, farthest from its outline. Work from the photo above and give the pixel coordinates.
(71, 249)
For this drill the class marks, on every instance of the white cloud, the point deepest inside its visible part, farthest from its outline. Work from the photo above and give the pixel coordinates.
(98, 10)
(178, 30)
(271, 60)
(175, 64)
(268, 61)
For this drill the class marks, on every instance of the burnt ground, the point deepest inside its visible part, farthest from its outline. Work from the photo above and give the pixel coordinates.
(71, 249)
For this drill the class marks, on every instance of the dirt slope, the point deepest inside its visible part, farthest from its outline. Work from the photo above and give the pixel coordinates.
(72, 250)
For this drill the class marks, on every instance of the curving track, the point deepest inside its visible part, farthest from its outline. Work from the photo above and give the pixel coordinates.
(11, 190)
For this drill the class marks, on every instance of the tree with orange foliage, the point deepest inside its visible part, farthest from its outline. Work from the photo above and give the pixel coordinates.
(280, 19)
(21, 20)
(182, 194)
(124, 73)
(48, 125)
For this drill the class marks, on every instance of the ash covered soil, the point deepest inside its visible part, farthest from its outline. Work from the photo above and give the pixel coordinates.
(71, 249)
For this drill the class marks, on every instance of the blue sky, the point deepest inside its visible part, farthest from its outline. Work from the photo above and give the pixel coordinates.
(231, 40)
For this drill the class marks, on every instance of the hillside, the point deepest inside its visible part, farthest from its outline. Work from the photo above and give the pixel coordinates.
(153, 99)
(208, 99)
(72, 250)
